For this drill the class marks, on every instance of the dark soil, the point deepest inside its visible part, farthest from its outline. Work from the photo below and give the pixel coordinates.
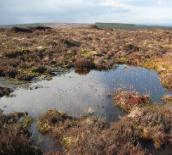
(5, 91)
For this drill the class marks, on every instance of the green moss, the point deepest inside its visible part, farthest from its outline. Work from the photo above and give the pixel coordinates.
(43, 126)
(69, 141)
(27, 121)
(122, 60)
(39, 70)
(150, 64)
(26, 74)
(87, 54)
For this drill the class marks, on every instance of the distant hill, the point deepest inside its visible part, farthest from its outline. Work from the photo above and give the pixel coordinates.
(22, 25)
(53, 25)
(96, 25)
(126, 26)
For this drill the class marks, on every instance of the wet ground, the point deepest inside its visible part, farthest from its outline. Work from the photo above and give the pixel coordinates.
(79, 95)
(27, 54)
(82, 94)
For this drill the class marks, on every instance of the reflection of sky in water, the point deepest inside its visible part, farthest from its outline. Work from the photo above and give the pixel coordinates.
(77, 94)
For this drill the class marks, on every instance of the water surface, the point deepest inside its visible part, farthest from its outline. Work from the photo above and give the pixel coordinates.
(82, 94)
(79, 95)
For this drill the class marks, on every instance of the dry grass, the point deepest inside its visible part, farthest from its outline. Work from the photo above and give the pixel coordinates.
(163, 66)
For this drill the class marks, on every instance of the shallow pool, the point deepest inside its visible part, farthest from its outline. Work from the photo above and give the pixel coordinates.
(84, 94)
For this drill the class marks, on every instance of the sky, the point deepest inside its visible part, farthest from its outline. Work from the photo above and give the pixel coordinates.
(156, 12)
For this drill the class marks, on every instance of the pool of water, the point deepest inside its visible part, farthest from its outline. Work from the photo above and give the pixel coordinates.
(82, 94)
(79, 95)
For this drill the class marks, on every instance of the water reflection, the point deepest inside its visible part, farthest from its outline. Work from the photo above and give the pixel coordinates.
(77, 94)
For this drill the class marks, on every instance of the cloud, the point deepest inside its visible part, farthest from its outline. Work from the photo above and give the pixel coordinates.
(113, 3)
(19, 11)
(128, 11)
(143, 3)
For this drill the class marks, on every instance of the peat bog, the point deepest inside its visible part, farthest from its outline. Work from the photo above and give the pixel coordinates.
(83, 90)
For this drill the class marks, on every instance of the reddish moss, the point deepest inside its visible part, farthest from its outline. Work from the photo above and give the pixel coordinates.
(128, 99)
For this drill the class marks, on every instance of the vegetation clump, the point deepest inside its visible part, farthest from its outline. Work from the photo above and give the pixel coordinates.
(71, 43)
(145, 130)
(71, 132)
(127, 100)
(163, 66)
(27, 29)
(167, 98)
(5, 91)
(83, 63)
(14, 133)
(21, 30)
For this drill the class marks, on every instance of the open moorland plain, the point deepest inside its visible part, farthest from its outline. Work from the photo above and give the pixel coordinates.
(30, 54)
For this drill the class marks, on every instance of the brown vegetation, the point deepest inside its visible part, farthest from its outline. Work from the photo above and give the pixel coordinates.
(21, 53)
(145, 130)
(127, 100)
(15, 135)
(26, 53)
(5, 91)
(71, 133)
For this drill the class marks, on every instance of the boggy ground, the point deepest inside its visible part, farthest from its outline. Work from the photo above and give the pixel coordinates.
(146, 130)
(31, 52)
(14, 135)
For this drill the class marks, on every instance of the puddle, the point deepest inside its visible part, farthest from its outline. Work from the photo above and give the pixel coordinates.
(46, 143)
(82, 94)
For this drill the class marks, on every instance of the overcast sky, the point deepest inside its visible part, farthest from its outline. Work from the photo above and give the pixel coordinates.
(86, 11)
